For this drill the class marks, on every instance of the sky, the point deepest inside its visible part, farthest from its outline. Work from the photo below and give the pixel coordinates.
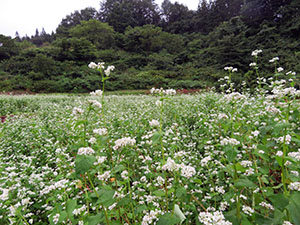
(25, 16)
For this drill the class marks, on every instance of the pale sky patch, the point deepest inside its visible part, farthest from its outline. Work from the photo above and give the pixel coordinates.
(25, 16)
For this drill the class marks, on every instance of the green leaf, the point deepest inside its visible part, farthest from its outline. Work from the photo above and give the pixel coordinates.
(180, 192)
(119, 168)
(71, 205)
(231, 153)
(105, 195)
(83, 163)
(94, 220)
(279, 201)
(168, 219)
(279, 160)
(244, 183)
(156, 137)
(159, 193)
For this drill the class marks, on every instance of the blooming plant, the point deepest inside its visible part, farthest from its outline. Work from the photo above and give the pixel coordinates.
(209, 158)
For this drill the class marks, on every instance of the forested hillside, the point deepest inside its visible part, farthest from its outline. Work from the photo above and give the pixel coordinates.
(150, 45)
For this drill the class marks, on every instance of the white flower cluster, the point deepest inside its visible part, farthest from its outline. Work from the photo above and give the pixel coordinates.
(4, 195)
(57, 185)
(230, 69)
(278, 91)
(104, 176)
(100, 131)
(151, 216)
(291, 73)
(247, 210)
(78, 211)
(171, 165)
(295, 186)
(162, 91)
(222, 116)
(85, 151)
(295, 155)
(287, 139)
(96, 103)
(101, 66)
(96, 93)
(234, 96)
(266, 205)
(108, 70)
(56, 218)
(204, 161)
(256, 52)
(154, 123)
(124, 175)
(286, 223)
(77, 111)
(279, 69)
(100, 160)
(274, 59)
(186, 171)
(246, 163)
(127, 141)
(229, 141)
(213, 218)
(253, 64)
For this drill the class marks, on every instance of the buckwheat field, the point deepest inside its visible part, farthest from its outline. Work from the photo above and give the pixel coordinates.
(222, 157)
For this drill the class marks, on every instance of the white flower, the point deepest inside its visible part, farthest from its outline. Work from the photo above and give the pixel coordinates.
(104, 176)
(266, 205)
(252, 64)
(274, 59)
(294, 186)
(4, 195)
(56, 218)
(96, 93)
(154, 123)
(77, 111)
(255, 133)
(229, 141)
(204, 161)
(124, 174)
(256, 52)
(92, 140)
(171, 165)
(213, 218)
(85, 151)
(100, 131)
(96, 103)
(234, 70)
(279, 153)
(92, 65)
(187, 171)
(279, 69)
(287, 223)
(108, 70)
(246, 163)
(124, 142)
(229, 68)
(247, 210)
(158, 103)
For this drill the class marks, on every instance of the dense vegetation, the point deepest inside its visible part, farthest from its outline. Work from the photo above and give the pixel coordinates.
(204, 159)
(169, 46)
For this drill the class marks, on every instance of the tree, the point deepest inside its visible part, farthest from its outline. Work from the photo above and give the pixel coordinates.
(100, 34)
(177, 18)
(123, 13)
(74, 19)
(8, 47)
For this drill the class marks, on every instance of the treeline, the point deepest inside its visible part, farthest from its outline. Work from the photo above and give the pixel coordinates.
(166, 46)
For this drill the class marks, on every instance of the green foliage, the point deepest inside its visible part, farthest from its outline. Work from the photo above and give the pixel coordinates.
(100, 34)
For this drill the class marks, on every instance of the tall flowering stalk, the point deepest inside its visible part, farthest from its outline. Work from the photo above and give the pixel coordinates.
(104, 72)
(255, 54)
